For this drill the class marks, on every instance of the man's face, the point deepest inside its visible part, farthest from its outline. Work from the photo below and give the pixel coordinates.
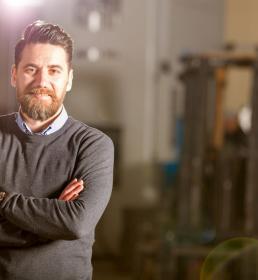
(42, 79)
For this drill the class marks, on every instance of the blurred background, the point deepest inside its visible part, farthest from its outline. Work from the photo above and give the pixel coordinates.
(174, 83)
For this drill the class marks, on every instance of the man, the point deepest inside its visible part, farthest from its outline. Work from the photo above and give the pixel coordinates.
(55, 172)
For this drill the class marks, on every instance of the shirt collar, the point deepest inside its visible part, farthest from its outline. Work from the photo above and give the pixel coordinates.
(53, 127)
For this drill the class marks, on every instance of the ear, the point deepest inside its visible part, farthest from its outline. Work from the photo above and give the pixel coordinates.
(70, 81)
(13, 75)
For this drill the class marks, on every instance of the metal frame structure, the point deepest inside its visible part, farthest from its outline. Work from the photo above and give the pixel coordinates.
(200, 224)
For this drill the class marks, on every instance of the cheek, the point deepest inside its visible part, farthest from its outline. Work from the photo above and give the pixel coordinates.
(24, 82)
(60, 86)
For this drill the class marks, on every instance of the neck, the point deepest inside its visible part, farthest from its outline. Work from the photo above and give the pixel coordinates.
(37, 125)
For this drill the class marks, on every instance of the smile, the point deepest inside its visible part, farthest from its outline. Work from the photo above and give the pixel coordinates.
(41, 96)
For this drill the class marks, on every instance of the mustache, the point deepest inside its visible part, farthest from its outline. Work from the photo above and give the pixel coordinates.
(42, 91)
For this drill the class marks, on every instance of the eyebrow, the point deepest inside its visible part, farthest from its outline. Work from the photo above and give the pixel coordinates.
(50, 66)
(30, 64)
(55, 66)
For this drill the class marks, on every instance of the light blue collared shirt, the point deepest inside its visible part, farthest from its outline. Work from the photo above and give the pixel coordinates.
(53, 127)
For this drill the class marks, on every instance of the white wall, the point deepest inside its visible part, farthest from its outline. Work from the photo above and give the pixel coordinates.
(111, 91)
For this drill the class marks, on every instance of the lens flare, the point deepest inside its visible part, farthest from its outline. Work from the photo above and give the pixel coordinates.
(22, 3)
(225, 252)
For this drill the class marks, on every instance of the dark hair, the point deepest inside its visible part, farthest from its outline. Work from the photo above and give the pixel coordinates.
(42, 32)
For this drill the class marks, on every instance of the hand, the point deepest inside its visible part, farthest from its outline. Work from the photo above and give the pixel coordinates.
(72, 190)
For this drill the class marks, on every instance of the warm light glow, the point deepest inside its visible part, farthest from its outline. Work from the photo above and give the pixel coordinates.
(22, 3)
(93, 54)
(245, 118)
(94, 21)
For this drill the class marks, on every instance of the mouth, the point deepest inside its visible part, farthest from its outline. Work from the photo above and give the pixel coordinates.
(41, 93)
(42, 96)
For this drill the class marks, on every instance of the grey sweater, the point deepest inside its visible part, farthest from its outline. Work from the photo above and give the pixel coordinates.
(41, 237)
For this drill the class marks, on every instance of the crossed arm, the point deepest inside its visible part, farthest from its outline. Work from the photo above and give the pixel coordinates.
(13, 236)
(74, 213)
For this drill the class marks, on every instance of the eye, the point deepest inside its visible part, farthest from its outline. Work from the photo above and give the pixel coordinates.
(30, 70)
(54, 71)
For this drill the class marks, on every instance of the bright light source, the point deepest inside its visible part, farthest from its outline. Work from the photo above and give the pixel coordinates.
(94, 21)
(93, 54)
(245, 118)
(22, 3)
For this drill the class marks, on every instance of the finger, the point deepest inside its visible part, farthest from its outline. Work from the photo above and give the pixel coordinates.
(77, 188)
(74, 182)
(71, 187)
(70, 194)
(74, 197)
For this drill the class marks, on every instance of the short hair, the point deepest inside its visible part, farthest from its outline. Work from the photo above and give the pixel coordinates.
(46, 33)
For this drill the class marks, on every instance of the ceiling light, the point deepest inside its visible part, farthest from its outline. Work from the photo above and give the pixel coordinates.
(94, 21)
(93, 54)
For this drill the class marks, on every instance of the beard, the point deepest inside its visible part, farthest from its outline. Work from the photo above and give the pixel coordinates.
(37, 109)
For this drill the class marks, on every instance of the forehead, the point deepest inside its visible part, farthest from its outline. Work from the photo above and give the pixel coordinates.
(43, 55)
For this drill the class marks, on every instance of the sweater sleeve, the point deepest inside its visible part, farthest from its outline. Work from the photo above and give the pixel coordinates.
(13, 237)
(56, 219)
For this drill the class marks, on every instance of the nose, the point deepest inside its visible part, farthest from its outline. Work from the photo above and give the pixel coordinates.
(42, 79)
